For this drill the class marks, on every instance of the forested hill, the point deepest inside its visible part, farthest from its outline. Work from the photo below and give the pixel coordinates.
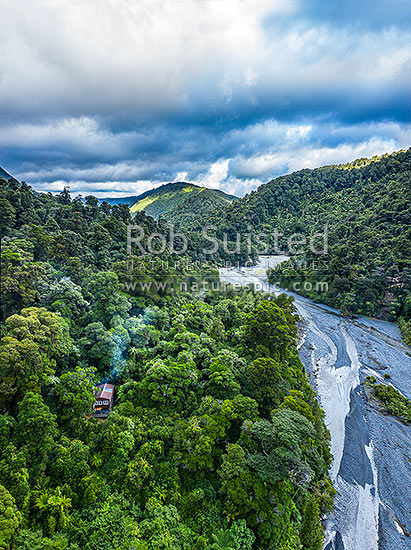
(367, 207)
(176, 201)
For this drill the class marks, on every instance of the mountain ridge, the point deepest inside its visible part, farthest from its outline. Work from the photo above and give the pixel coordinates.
(5, 175)
(365, 206)
(175, 200)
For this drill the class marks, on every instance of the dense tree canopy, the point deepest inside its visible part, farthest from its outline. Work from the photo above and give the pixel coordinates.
(215, 440)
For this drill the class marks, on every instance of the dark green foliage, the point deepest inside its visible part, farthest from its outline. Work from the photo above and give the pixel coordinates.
(405, 327)
(311, 533)
(265, 383)
(10, 519)
(36, 342)
(36, 426)
(7, 215)
(215, 440)
(366, 206)
(75, 392)
(394, 402)
(268, 330)
(367, 209)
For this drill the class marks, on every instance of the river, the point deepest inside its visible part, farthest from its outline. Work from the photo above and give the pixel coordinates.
(371, 470)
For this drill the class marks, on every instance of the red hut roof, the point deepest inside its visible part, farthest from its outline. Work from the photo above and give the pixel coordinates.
(104, 391)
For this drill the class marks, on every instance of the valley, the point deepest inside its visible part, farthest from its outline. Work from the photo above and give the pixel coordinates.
(233, 418)
(205, 275)
(371, 470)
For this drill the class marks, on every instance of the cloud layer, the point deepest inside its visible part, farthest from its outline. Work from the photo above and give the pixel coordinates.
(117, 96)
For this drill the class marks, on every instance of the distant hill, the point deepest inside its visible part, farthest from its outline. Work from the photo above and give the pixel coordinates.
(176, 201)
(4, 175)
(123, 200)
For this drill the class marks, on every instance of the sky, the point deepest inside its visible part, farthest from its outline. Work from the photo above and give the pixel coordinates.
(114, 97)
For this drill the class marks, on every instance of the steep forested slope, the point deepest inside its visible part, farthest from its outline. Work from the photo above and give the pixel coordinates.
(366, 206)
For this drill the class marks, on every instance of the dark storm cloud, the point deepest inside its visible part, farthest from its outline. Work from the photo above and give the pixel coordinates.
(117, 98)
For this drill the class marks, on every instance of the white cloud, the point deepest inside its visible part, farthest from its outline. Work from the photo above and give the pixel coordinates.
(216, 175)
(274, 149)
(119, 93)
(133, 55)
(261, 168)
(313, 157)
(287, 160)
(82, 57)
(82, 132)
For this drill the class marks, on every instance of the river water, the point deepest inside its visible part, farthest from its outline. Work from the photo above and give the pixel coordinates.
(371, 470)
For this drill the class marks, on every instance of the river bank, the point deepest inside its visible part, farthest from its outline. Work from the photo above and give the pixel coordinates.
(371, 470)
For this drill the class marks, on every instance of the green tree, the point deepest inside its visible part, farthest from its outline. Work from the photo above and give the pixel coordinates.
(285, 449)
(35, 340)
(111, 523)
(268, 331)
(7, 216)
(164, 529)
(69, 462)
(170, 385)
(20, 278)
(222, 381)
(241, 535)
(264, 379)
(14, 475)
(97, 346)
(37, 426)
(66, 298)
(311, 532)
(10, 519)
(236, 482)
(48, 330)
(24, 368)
(53, 508)
(108, 297)
(75, 392)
